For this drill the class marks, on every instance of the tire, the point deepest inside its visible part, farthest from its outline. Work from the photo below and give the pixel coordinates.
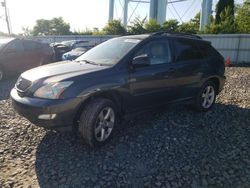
(206, 97)
(95, 126)
(1, 74)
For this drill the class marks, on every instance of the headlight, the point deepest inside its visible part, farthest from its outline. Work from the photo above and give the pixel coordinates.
(52, 90)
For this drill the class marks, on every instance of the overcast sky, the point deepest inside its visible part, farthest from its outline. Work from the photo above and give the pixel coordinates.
(83, 14)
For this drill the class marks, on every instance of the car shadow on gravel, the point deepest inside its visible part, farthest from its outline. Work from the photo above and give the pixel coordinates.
(174, 146)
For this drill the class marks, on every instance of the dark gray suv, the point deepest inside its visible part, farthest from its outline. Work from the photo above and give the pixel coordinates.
(119, 78)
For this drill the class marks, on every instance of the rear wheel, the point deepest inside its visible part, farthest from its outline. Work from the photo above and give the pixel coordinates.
(206, 97)
(97, 121)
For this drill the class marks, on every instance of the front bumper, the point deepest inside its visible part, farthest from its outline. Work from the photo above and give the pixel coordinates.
(32, 108)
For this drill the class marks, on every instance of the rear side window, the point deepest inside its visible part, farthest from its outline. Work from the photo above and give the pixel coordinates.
(186, 50)
(31, 45)
(15, 46)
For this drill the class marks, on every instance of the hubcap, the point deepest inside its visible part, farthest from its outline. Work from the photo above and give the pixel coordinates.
(104, 124)
(208, 97)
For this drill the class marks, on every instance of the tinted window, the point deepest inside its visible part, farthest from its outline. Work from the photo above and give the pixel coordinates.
(157, 51)
(15, 46)
(4, 42)
(31, 45)
(187, 50)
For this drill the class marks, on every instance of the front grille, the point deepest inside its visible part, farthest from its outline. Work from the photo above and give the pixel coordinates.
(22, 84)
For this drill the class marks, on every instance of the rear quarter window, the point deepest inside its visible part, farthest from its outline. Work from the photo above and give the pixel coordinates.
(186, 50)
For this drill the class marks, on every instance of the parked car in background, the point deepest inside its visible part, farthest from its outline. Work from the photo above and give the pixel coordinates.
(18, 55)
(75, 53)
(66, 46)
(119, 79)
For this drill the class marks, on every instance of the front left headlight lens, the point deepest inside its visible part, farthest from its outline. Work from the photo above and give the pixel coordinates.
(52, 90)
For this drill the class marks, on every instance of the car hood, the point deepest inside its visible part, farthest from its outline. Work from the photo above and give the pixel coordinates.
(61, 70)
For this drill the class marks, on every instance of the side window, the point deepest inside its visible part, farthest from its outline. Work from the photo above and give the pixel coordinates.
(158, 52)
(186, 50)
(15, 46)
(31, 45)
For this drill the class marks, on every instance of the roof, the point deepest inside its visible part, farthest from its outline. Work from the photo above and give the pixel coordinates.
(163, 33)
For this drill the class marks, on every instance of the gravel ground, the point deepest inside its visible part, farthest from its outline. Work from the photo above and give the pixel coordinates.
(174, 147)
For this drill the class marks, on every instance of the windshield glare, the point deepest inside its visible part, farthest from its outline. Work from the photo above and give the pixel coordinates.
(109, 52)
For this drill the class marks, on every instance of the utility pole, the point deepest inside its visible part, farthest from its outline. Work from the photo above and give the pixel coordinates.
(111, 10)
(125, 13)
(6, 16)
(206, 11)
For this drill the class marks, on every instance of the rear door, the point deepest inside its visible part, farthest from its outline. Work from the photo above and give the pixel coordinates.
(190, 62)
(33, 52)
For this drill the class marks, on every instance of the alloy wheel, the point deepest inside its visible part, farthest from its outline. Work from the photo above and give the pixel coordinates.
(104, 124)
(208, 96)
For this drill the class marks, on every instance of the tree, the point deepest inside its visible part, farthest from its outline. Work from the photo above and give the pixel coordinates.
(55, 26)
(26, 31)
(243, 17)
(152, 26)
(114, 28)
(220, 7)
(170, 25)
(226, 24)
(137, 26)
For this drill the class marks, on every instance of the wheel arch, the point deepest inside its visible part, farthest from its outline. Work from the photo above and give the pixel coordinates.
(114, 96)
(216, 81)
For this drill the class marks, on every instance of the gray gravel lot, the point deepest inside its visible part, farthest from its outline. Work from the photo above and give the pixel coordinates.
(174, 147)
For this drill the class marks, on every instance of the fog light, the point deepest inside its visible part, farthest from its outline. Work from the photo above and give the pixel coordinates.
(47, 116)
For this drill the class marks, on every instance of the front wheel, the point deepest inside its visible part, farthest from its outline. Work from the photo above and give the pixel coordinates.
(97, 121)
(206, 97)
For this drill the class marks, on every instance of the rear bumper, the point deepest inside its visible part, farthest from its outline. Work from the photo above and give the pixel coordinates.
(63, 110)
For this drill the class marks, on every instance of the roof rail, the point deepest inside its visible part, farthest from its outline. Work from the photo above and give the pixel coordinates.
(176, 34)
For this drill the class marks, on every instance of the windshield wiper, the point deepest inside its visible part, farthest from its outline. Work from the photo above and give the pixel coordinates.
(88, 62)
(92, 62)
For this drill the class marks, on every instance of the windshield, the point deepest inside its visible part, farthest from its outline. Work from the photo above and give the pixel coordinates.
(4, 41)
(109, 52)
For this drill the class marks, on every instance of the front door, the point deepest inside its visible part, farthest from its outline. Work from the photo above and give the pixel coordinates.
(152, 84)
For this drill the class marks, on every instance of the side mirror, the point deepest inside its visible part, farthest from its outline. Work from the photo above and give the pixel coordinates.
(141, 61)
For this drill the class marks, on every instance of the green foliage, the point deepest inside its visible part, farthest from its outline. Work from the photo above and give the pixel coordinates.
(220, 7)
(26, 31)
(243, 17)
(114, 28)
(137, 26)
(192, 26)
(152, 26)
(226, 24)
(170, 25)
(55, 26)
(87, 31)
